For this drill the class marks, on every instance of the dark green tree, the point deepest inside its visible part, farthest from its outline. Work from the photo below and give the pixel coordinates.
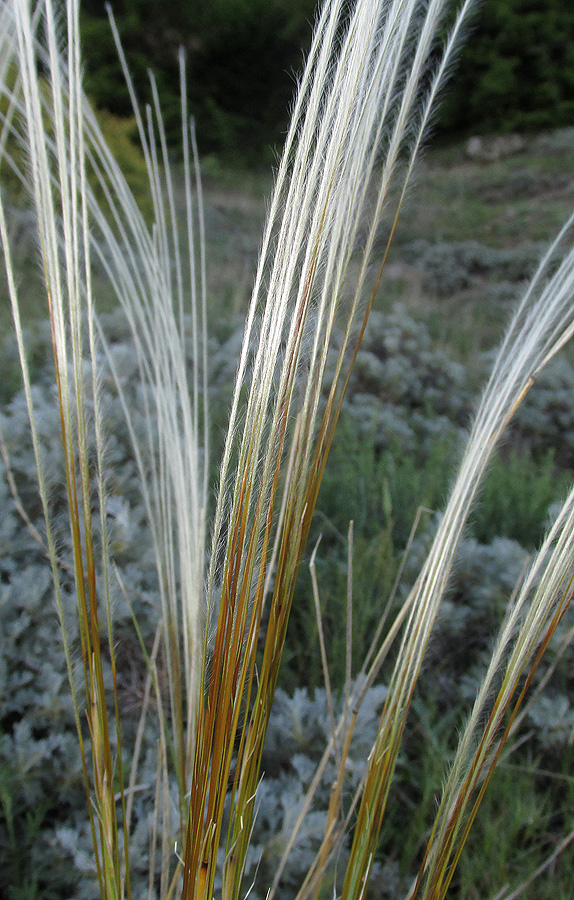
(516, 70)
(241, 59)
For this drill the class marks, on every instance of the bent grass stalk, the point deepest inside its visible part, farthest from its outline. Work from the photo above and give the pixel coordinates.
(362, 108)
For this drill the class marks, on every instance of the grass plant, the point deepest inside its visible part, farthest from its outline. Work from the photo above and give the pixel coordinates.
(362, 108)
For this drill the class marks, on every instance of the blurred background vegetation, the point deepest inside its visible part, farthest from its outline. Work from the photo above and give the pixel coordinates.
(516, 71)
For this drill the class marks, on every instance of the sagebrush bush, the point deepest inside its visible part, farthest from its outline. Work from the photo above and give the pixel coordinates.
(454, 267)
(41, 765)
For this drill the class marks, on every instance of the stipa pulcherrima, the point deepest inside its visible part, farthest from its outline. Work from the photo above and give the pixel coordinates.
(363, 105)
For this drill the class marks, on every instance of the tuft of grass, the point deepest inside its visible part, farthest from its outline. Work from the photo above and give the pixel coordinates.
(516, 496)
(363, 105)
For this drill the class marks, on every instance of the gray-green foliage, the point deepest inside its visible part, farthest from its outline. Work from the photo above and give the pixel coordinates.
(403, 391)
(453, 267)
(400, 378)
(298, 730)
(547, 418)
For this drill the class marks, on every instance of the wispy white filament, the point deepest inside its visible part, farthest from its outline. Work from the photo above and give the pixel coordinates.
(62, 139)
